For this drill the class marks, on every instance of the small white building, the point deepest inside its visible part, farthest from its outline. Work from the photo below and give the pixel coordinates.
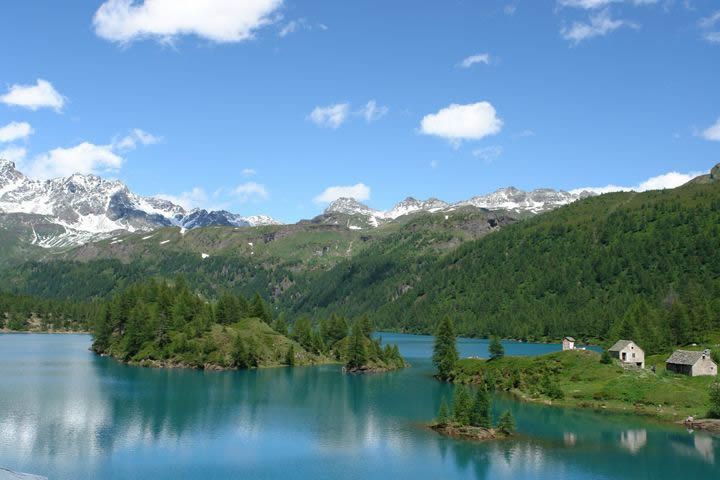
(629, 353)
(568, 343)
(691, 363)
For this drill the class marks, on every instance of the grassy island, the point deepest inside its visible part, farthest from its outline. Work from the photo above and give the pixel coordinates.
(158, 324)
(579, 379)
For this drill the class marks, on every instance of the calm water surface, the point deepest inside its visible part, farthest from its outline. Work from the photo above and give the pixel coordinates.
(69, 415)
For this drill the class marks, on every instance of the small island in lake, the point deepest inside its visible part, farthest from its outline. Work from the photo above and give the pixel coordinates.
(470, 418)
(157, 324)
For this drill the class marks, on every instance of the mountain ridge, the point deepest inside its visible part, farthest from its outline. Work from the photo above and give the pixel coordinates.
(88, 207)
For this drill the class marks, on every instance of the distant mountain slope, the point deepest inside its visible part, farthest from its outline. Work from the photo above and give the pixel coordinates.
(575, 270)
(269, 259)
(84, 208)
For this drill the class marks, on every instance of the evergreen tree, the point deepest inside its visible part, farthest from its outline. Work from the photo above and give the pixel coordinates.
(357, 354)
(280, 325)
(443, 413)
(506, 424)
(445, 354)
(462, 406)
(480, 413)
(240, 357)
(366, 325)
(303, 333)
(290, 356)
(606, 358)
(496, 349)
(714, 400)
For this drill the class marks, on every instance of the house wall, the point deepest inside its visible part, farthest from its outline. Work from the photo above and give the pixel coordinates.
(629, 351)
(704, 366)
(680, 369)
(568, 345)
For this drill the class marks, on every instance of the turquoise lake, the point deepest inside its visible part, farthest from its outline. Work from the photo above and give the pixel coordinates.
(69, 415)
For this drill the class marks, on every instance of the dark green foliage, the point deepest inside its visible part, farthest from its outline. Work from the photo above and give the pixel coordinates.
(290, 356)
(357, 355)
(506, 424)
(606, 358)
(445, 354)
(443, 417)
(480, 413)
(462, 406)
(646, 260)
(280, 325)
(20, 312)
(714, 400)
(496, 349)
(303, 333)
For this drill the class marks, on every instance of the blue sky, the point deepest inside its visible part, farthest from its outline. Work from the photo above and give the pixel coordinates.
(264, 106)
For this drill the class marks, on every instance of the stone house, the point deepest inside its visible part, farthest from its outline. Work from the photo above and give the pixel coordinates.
(629, 353)
(568, 343)
(690, 363)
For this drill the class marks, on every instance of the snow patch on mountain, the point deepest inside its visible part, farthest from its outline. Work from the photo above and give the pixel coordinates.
(89, 208)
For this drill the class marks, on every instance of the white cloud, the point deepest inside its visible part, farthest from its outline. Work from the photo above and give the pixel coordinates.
(135, 137)
(712, 132)
(474, 59)
(295, 26)
(712, 37)
(34, 97)
(710, 21)
(195, 198)
(221, 21)
(13, 154)
(488, 154)
(462, 122)
(600, 24)
(83, 158)
(660, 182)
(248, 172)
(331, 116)
(525, 133)
(586, 4)
(510, 9)
(372, 111)
(249, 191)
(359, 192)
(15, 131)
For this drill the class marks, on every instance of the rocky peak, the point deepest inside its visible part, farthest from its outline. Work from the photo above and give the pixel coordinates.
(349, 206)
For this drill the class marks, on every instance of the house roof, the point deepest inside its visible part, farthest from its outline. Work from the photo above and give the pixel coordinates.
(619, 345)
(571, 339)
(684, 357)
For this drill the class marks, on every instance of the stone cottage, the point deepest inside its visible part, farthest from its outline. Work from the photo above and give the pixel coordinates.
(629, 353)
(690, 363)
(568, 343)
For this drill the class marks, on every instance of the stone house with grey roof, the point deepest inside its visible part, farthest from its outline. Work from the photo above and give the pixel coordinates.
(629, 353)
(691, 363)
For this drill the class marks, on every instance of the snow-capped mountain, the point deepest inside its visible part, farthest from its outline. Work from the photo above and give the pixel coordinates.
(357, 215)
(514, 200)
(87, 207)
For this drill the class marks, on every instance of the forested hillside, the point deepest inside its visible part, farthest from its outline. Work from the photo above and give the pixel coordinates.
(640, 265)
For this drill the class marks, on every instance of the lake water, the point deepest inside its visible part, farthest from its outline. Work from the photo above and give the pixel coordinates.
(70, 415)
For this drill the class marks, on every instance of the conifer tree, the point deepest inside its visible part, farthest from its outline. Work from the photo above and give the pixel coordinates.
(496, 349)
(357, 354)
(290, 356)
(445, 354)
(462, 406)
(443, 413)
(480, 414)
(506, 424)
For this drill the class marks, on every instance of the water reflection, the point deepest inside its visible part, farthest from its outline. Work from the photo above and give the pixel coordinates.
(633, 440)
(69, 415)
